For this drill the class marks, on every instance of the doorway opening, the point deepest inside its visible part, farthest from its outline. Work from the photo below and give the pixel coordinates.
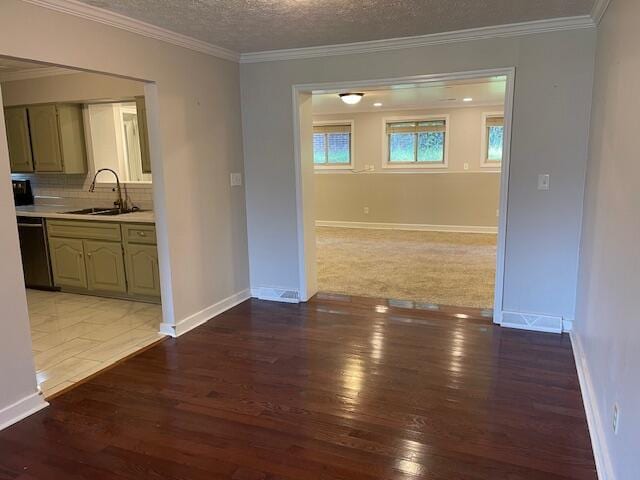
(402, 190)
(84, 193)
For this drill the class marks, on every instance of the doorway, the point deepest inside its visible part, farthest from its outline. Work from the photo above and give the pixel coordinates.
(430, 256)
(85, 201)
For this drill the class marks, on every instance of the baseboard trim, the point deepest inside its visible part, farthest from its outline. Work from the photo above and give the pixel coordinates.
(594, 421)
(409, 226)
(204, 315)
(276, 294)
(567, 326)
(531, 321)
(21, 409)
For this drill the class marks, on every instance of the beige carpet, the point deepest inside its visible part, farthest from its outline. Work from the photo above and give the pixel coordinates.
(443, 268)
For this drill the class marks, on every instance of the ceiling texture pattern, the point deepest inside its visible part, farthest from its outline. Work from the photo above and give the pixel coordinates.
(260, 25)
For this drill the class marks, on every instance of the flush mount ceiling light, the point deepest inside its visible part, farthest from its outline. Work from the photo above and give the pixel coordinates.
(351, 98)
(377, 104)
(467, 99)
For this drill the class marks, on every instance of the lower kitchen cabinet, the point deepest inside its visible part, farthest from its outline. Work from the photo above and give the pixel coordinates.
(68, 262)
(142, 270)
(105, 258)
(105, 266)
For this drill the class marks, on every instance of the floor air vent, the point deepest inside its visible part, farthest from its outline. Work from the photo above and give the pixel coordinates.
(278, 295)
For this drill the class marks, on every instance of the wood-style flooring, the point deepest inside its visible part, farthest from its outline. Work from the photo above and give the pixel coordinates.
(338, 388)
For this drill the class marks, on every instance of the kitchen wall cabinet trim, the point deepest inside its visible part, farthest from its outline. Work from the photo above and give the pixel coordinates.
(143, 132)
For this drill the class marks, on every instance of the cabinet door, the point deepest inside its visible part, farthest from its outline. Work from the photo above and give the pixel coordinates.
(142, 270)
(72, 145)
(17, 124)
(45, 138)
(105, 266)
(67, 262)
(141, 111)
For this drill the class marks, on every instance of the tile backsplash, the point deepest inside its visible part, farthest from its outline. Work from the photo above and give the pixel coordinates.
(74, 190)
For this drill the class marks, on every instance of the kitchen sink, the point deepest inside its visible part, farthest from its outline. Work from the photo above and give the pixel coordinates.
(97, 211)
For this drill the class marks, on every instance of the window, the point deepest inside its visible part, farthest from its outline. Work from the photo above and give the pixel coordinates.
(417, 143)
(332, 146)
(493, 139)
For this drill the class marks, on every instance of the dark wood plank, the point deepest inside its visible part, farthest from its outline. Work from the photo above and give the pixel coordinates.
(338, 388)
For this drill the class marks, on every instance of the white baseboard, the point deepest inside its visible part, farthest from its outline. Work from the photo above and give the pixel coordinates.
(409, 226)
(567, 325)
(276, 294)
(203, 316)
(594, 420)
(532, 321)
(21, 409)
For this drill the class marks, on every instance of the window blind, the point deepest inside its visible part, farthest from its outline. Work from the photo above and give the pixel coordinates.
(495, 121)
(332, 129)
(417, 127)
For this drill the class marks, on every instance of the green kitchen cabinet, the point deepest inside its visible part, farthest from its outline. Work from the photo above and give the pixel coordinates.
(18, 139)
(143, 132)
(142, 270)
(45, 138)
(57, 138)
(68, 262)
(105, 266)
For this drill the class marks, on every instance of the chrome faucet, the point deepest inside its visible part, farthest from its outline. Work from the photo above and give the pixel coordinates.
(120, 203)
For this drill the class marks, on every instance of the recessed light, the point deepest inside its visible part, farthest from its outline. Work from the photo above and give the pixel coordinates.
(467, 99)
(377, 104)
(351, 98)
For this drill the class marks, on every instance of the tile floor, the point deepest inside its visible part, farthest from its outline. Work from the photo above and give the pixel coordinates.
(74, 336)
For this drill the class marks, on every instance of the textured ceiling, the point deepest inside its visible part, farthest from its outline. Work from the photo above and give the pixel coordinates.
(258, 25)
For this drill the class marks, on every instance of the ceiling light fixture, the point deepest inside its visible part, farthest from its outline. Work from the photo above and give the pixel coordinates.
(377, 104)
(351, 98)
(467, 99)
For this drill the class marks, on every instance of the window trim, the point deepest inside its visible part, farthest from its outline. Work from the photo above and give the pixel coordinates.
(335, 166)
(484, 162)
(415, 165)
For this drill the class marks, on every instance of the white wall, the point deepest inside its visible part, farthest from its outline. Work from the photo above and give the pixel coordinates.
(551, 120)
(607, 326)
(202, 226)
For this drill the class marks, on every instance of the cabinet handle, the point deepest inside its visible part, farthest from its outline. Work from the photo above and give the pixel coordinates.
(89, 255)
(142, 234)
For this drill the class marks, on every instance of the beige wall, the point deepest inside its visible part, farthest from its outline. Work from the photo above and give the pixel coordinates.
(553, 85)
(465, 136)
(451, 197)
(201, 224)
(72, 87)
(607, 327)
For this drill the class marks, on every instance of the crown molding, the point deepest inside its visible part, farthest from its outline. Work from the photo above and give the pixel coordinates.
(510, 30)
(106, 17)
(598, 10)
(35, 73)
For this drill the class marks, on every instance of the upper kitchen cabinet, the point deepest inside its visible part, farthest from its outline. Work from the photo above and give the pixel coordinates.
(57, 138)
(18, 139)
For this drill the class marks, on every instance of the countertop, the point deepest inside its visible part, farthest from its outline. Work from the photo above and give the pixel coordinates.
(58, 211)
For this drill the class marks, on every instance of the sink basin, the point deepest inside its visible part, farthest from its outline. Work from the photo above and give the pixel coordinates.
(98, 211)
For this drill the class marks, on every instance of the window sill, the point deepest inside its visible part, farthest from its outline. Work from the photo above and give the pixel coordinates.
(333, 167)
(414, 166)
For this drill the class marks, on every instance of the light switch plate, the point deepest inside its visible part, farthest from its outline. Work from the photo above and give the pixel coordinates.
(236, 179)
(543, 181)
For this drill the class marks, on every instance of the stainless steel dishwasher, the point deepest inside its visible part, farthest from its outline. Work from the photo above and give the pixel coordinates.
(35, 253)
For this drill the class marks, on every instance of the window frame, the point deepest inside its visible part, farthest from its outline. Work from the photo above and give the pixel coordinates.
(484, 161)
(386, 164)
(337, 166)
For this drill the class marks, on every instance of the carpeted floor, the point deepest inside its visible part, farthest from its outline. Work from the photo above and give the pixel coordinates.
(442, 268)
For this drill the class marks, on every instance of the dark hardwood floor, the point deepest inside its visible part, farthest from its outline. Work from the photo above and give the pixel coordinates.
(338, 388)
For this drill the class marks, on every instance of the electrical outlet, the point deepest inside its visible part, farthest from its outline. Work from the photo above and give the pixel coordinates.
(498, 212)
(236, 179)
(366, 210)
(616, 418)
(466, 166)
